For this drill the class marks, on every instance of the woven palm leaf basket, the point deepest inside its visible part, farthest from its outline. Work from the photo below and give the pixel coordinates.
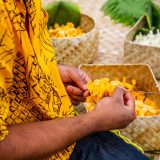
(137, 53)
(78, 50)
(145, 130)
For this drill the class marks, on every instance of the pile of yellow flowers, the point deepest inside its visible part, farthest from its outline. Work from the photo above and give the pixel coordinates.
(143, 105)
(64, 31)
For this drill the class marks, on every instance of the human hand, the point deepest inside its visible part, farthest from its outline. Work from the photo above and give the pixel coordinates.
(75, 81)
(113, 112)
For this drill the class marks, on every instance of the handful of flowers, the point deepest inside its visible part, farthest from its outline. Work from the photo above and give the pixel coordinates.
(144, 106)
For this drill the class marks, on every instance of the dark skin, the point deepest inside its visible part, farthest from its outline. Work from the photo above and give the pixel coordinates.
(39, 139)
(75, 81)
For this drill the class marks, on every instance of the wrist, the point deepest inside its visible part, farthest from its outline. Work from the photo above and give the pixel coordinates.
(99, 121)
(92, 122)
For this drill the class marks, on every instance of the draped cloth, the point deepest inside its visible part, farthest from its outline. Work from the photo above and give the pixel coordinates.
(30, 85)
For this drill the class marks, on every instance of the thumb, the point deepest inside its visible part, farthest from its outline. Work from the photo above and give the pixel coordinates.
(84, 78)
(119, 93)
(130, 102)
(106, 94)
(79, 80)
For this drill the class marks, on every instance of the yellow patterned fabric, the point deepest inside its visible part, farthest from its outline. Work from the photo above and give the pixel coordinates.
(30, 85)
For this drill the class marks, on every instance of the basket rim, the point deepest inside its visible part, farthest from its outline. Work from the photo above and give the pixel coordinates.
(154, 116)
(142, 18)
(137, 64)
(99, 64)
(83, 35)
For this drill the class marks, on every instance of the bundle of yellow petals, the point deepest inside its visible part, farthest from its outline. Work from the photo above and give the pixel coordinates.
(144, 106)
(64, 31)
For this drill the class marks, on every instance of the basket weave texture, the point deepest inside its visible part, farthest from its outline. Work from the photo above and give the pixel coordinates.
(144, 131)
(137, 53)
(78, 50)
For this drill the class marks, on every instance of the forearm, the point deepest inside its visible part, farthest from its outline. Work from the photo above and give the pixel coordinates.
(39, 139)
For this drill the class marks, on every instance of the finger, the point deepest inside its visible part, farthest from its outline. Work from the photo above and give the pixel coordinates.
(129, 100)
(118, 93)
(74, 102)
(86, 93)
(130, 103)
(80, 78)
(78, 98)
(72, 90)
(106, 94)
(84, 75)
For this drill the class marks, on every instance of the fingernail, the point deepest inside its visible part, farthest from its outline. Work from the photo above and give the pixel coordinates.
(84, 87)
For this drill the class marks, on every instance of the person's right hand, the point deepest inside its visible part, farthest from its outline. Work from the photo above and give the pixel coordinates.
(114, 112)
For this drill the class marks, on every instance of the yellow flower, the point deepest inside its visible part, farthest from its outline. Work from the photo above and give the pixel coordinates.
(143, 106)
(67, 30)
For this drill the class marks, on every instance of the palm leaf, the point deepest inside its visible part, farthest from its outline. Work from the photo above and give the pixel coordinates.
(62, 12)
(156, 15)
(128, 11)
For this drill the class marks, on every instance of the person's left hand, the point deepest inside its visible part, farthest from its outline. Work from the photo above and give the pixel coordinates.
(75, 81)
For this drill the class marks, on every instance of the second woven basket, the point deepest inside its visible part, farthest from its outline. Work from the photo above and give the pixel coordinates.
(137, 53)
(78, 50)
(144, 131)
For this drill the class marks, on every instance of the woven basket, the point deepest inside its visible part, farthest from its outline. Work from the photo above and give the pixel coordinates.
(144, 131)
(78, 50)
(136, 53)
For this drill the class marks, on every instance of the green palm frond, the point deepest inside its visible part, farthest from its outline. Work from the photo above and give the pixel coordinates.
(63, 11)
(156, 15)
(128, 11)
